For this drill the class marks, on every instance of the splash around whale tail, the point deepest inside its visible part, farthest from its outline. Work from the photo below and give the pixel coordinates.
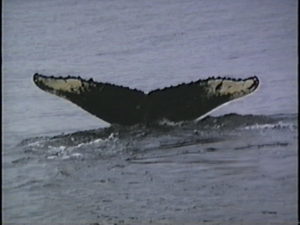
(122, 105)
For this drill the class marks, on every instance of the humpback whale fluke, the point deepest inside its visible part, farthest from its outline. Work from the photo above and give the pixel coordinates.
(122, 105)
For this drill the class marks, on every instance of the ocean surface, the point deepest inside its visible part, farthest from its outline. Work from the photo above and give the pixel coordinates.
(61, 165)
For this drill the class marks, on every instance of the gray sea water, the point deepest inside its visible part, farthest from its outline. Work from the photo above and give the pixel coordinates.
(61, 165)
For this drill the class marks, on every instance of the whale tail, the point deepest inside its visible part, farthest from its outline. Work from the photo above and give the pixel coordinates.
(125, 106)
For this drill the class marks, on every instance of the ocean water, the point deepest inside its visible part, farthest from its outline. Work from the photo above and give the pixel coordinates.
(63, 165)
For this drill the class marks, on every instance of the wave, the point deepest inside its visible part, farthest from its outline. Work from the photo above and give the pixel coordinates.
(118, 140)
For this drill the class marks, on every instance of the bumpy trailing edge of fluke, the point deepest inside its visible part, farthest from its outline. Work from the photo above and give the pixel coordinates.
(122, 105)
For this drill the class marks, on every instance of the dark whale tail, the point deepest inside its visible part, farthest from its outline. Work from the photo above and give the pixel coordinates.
(125, 106)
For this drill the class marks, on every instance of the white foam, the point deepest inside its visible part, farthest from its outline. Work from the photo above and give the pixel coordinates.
(279, 125)
(170, 123)
(52, 157)
(65, 157)
(76, 155)
(34, 144)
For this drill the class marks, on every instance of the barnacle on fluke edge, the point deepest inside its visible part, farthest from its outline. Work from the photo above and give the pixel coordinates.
(123, 105)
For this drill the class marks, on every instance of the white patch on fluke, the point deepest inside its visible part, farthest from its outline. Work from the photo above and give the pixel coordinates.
(247, 84)
(230, 87)
(65, 85)
(61, 85)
